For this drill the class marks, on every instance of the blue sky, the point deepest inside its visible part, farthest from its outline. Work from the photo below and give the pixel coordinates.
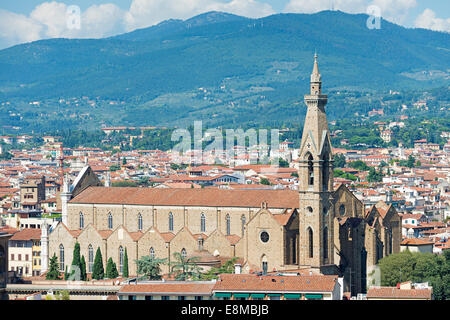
(30, 20)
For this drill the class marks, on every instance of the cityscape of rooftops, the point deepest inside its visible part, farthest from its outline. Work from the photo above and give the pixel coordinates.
(228, 153)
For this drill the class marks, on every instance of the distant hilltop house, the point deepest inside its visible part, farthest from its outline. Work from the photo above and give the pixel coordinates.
(386, 135)
(375, 112)
(420, 105)
(109, 130)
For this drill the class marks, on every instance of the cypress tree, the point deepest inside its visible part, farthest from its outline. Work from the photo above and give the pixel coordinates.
(66, 273)
(76, 262)
(83, 269)
(53, 272)
(111, 269)
(125, 265)
(98, 271)
(109, 266)
(114, 272)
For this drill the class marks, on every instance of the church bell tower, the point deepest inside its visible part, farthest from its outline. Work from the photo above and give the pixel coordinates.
(315, 180)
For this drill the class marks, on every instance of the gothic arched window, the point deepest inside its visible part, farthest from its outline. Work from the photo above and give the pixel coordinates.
(152, 253)
(110, 221)
(202, 223)
(325, 243)
(90, 258)
(342, 209)
(184, 253)
(61, 257)
(120, 259)
(243, 224)
(227, 218)
(310, 170)
(170, 221)
(139, 222)
(325, 168)
(310, 242)
(81, 220)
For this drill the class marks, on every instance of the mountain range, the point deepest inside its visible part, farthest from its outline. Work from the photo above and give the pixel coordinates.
(218, 61)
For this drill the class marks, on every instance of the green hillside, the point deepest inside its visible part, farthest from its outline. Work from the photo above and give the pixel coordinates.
(248, 67)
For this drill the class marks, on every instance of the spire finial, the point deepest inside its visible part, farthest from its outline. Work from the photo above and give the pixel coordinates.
(315, 76)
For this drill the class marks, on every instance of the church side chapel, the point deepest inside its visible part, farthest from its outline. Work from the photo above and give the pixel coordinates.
(316, 228)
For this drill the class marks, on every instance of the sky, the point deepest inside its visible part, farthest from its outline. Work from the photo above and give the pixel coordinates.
(30, 20)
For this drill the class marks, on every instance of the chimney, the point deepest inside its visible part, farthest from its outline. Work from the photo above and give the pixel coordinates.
(237, 268)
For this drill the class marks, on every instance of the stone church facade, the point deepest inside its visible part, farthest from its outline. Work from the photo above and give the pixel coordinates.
(317, 228)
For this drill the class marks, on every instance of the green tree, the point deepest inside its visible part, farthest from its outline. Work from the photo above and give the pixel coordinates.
(111, 269)
(184, 268)
(213, 273)
(53, 272)
(150, 268)
(283, 163)
(66, 273)
(125, 264)
(76, 263)
(375, 176)
(359, 165)
(65, 295)
(98, 271)
(339, 160)
(411, 161)
(264, 181)
(83, 269)
(418, 267)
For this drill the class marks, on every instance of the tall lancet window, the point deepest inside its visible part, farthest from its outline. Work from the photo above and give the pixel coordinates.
(202, 223)
(325, 168)
(170, 221)
(242, 225)
(152, 253)
(311, 243)
(120, 259)
(140, 222)
(81, 220)
(110, 221)
(325, 243)
(61, 257)
(90, 258)
(228, 224)
(310, 170)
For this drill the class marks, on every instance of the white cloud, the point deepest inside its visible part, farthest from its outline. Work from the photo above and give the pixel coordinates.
(144, 13)
(17, 28)
(102, 20)
(428, 20)
(395, 10)
(49, 19)
(392, 10)
(308, 6)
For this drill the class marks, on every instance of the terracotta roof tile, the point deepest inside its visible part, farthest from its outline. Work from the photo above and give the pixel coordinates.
(394, 293)
(252, 282)
(172, 287)
(189, 197)
(27, 234)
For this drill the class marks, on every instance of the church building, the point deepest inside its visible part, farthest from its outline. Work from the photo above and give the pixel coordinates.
(317, 228)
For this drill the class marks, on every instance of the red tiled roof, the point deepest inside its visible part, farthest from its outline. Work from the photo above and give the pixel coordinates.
(394, 293)
(27, 234)
(415, 242)
(175, 287)
(252, 282)
(189, 197)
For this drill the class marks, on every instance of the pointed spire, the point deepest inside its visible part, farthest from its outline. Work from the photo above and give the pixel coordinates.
(315, 76)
